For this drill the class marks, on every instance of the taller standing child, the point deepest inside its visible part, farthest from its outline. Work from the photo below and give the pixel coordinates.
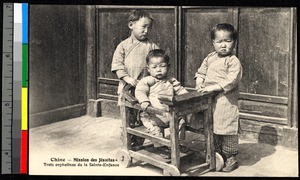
(129, 59)
(221, 71)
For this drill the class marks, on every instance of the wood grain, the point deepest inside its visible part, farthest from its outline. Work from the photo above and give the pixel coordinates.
(56, 66)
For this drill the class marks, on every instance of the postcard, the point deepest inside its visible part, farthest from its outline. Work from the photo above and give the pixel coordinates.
(112, 88)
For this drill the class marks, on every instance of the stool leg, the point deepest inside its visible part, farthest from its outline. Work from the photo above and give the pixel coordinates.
(174, 137)
(208, 128)
(125, 123)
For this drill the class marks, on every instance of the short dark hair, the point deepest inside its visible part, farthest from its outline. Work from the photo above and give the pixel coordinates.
(137, 14)
(226, 27)
(158, 53)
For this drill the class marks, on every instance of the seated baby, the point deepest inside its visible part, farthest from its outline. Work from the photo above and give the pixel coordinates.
(151, 87)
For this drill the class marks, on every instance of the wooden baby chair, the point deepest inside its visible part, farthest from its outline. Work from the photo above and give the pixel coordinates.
(179, 106)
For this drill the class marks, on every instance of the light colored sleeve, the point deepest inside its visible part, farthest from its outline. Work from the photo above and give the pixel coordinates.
(142, 89)
(201, 72)
(117, 64)
(178, 89)
(121, 73)
(234, 75)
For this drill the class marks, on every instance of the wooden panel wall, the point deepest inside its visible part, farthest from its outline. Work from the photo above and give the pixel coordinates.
(264, 38)
(264, 51)
(56, 63)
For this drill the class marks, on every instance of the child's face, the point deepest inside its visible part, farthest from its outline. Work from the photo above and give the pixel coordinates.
(223, 43)
(141, 28)
(157, 67)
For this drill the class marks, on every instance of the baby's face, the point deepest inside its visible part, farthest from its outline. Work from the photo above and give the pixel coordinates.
(141, 28)
(223, 43)
(157, 67)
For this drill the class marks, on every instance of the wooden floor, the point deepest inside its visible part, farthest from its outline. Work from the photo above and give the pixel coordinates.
(89, 138)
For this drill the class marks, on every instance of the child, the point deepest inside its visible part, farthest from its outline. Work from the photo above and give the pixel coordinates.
(221, 72)
(158, 83)
(129, 57)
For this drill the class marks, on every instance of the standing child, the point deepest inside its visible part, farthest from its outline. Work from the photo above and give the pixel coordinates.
(151, 87)
(129, 58)
(221, 72)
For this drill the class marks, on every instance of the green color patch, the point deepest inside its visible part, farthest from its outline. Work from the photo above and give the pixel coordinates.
(24, 65)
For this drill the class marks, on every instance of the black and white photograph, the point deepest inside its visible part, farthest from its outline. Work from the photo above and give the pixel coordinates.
(162, 90)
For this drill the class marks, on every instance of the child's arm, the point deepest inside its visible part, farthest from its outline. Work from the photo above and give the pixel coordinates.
(118, 66)
(201, 74)
(232, 79)
(178, 89)
(130, 80)
(234, 75)
(142, 92)
(211, 88)
(144, 105)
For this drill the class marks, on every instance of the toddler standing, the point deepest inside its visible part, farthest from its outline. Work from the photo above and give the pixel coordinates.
(221, 71)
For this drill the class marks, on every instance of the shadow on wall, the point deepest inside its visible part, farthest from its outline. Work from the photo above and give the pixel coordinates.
(268, 135)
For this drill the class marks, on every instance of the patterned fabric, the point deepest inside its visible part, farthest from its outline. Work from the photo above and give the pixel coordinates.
(227, 73)
(226, 145)
(230, 145)
(129, 59)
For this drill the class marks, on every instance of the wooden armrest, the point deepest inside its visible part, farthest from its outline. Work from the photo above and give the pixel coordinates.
(150, 109)
(129, 97)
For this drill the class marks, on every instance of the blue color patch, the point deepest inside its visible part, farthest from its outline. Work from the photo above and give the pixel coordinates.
(25, 23)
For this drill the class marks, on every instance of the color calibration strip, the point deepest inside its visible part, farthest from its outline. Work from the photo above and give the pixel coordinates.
(24, 117)
(15, 89)
(20, 88)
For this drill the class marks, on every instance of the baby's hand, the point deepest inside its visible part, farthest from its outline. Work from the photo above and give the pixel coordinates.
(130, 80)
(144, 105)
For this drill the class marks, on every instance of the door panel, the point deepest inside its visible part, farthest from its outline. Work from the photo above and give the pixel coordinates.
(264, 38)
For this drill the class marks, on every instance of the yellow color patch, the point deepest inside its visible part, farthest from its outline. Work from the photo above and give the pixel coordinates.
(24, 113)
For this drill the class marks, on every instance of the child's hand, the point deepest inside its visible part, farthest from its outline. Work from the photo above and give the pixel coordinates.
(199, 83)
(130, 80)
(144, 105)
(204, 90)
(209, 89)
(199, 86)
